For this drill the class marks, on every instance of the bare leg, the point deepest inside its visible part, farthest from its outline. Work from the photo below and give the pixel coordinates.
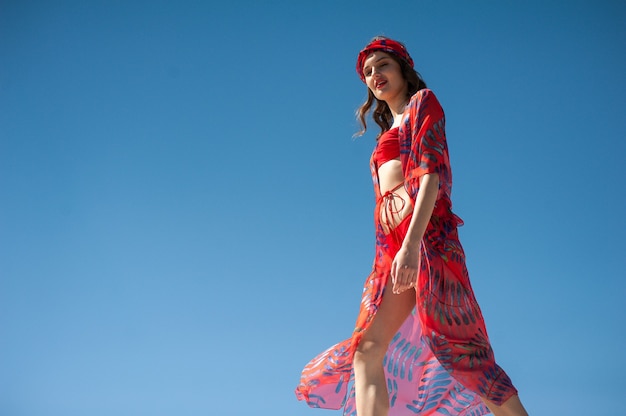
(372, 398)
(512, 407)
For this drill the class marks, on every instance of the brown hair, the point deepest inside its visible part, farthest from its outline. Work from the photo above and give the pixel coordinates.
(382, 114)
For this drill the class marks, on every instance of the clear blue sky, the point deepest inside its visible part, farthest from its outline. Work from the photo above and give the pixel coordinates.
(185, 219)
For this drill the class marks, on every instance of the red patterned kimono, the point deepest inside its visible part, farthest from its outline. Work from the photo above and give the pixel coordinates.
(440, 361)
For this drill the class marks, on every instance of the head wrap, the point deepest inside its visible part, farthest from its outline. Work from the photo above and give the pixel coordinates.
(384, 45)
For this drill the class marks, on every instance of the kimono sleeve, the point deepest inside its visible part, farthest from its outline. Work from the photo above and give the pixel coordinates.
(426, 147)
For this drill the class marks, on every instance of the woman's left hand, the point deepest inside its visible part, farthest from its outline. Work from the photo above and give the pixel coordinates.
(404, 269)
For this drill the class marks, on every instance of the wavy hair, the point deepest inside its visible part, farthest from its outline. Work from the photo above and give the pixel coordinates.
(381, 113)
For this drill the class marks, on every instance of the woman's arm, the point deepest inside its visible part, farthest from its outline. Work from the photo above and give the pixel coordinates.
(405, 266)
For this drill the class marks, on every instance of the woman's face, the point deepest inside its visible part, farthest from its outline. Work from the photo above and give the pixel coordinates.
(384, 77)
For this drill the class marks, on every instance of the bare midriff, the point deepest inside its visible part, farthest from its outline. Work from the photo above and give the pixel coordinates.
(395, 204)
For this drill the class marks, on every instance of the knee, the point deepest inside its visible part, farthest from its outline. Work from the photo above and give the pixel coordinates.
(370, 351)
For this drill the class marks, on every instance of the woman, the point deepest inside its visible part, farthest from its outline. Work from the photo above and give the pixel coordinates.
(420, 345)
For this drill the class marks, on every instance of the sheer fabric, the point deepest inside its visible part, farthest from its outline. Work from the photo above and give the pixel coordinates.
(440, 360)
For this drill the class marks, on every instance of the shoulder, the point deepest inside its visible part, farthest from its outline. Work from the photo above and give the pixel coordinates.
(422, 104)
(424, 96)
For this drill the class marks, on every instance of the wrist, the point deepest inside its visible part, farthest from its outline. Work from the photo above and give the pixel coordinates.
(411, 245)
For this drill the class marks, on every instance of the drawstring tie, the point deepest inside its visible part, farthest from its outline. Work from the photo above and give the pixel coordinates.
(392, 205)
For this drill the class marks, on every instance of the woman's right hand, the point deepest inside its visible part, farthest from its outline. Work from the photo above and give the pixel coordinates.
(404, 269)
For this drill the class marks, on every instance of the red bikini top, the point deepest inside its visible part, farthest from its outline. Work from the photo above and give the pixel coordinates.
(387, 148)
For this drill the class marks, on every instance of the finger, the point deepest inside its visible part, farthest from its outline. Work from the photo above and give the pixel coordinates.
(397, 283)
(396, 290)
(401, 284)
(412, 282)
(396, 287)
(406, 273)
(400, 271)
(409, 279)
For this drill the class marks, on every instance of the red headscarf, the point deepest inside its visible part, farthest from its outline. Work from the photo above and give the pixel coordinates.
(385, 45)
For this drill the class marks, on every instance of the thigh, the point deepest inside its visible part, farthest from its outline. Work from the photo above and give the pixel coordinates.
(393, 310)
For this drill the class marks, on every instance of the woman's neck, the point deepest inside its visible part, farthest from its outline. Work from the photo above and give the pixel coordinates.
(397, 109)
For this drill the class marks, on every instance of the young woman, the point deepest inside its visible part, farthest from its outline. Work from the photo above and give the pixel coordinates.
(420, 345)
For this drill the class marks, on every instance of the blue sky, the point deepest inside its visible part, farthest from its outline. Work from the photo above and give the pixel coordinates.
(186, 220)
